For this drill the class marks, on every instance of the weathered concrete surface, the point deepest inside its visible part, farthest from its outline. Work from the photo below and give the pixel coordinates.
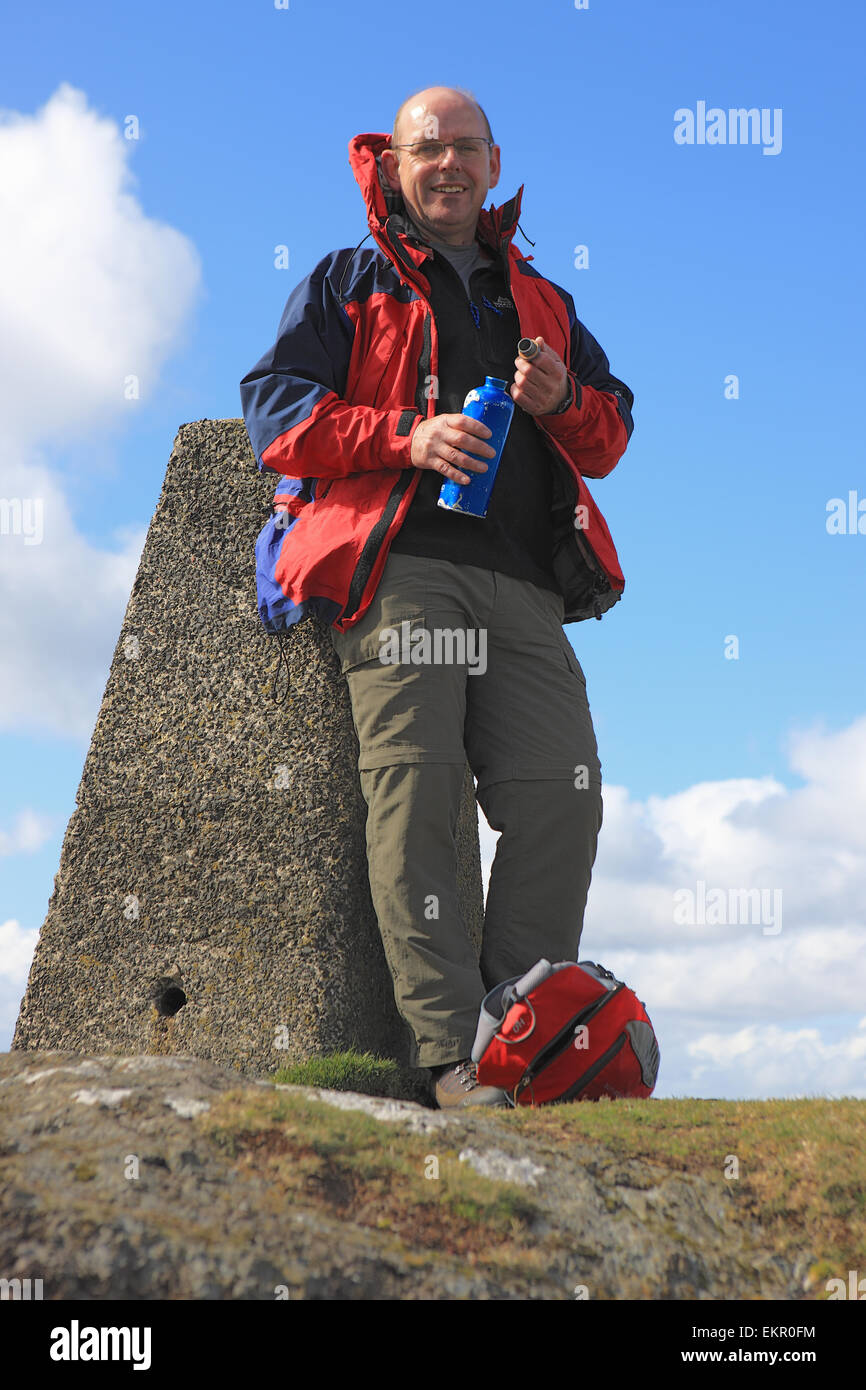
(171, 1178)
(217, 849)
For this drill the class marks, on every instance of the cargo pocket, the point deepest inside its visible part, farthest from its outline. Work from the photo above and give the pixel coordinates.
(382, 635)
(397, 703)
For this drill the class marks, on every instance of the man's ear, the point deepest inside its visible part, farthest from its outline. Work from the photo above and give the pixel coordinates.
(494, 167)
(389, 169)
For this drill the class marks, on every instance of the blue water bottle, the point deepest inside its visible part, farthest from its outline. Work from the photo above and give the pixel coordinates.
(493, 406)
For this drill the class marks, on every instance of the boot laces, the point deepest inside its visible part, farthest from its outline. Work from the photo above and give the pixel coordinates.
(469, 1076)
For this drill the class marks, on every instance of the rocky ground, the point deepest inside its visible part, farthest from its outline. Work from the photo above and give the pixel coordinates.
(159, 1177)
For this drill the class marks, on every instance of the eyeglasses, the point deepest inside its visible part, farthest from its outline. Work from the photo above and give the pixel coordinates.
(427, 150)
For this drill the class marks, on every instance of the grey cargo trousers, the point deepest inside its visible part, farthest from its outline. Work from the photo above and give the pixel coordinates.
(514, 707)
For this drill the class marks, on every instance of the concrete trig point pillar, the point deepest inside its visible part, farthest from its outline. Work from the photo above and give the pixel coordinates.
(213, 895)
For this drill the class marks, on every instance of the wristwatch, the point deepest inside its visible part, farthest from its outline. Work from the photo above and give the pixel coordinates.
(567, 402)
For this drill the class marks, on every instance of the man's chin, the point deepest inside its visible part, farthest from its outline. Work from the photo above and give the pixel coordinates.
(450, 222)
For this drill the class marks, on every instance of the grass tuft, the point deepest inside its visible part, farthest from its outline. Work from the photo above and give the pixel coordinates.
(358, 1071)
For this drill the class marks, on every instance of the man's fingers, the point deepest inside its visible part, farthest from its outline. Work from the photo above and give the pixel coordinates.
(455, 445)
(472, 441)
(469, 425)
(546, 364)
(460, 458)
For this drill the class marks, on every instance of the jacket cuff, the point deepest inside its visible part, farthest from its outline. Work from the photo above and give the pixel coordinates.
(575, 399)
(397, 450)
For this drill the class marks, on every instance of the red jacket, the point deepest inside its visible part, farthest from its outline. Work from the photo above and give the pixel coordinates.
(332, 407)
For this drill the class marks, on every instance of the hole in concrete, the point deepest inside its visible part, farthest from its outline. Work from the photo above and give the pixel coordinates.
(168, 997)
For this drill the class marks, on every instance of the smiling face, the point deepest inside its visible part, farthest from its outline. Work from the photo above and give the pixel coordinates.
(442, 196)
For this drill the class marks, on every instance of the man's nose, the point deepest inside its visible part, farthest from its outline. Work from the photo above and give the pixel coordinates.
(449, 158)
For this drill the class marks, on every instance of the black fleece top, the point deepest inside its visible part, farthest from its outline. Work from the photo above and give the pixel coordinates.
(516, 536)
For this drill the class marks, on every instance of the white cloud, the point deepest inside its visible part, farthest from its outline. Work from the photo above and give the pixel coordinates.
(61, 612)
(16, 952)
(29, 833)
(93, 291)
(791, 976)
(808, 844)
(772, 1061)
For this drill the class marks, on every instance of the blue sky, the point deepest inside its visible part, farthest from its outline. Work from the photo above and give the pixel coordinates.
(705, 261)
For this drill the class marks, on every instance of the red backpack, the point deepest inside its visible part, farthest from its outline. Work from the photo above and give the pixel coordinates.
(565, 1032)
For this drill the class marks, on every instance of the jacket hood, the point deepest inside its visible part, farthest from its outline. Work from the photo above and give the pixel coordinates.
(496, 225)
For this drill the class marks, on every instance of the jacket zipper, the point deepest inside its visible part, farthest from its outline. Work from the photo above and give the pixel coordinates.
(592, 1072)
(375, 539)
(598, 579)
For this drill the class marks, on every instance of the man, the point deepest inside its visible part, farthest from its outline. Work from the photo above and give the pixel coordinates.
(359, 406)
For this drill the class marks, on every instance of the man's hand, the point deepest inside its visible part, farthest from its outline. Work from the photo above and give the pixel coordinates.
(542, 384)
(439, 443)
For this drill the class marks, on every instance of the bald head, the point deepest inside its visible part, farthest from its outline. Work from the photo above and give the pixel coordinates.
(443, 193)
(417, 105)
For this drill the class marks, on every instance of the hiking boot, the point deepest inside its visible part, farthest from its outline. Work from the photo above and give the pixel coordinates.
(457, 1086)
